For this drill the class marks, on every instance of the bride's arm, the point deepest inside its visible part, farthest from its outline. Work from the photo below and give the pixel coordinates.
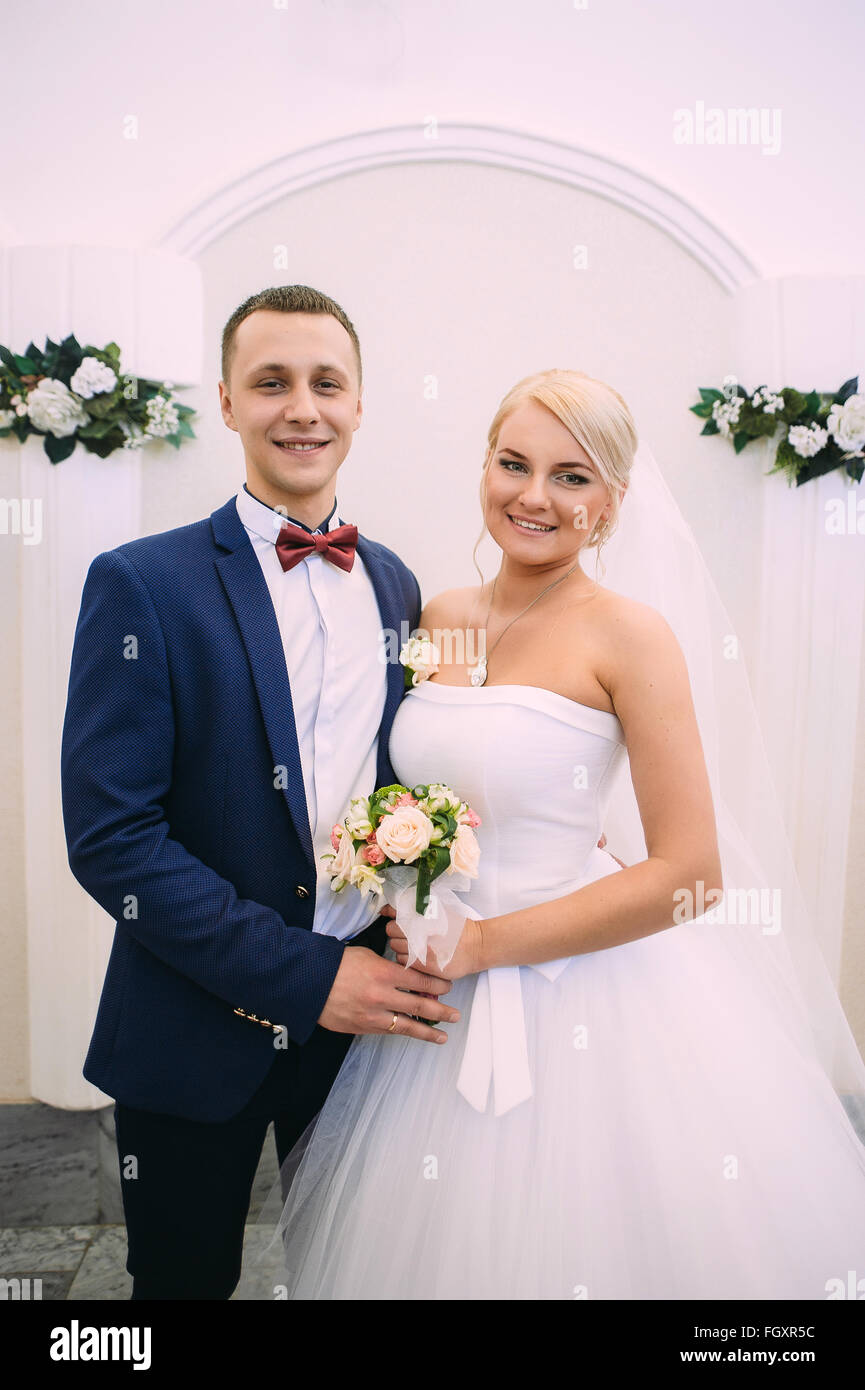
(651, 692)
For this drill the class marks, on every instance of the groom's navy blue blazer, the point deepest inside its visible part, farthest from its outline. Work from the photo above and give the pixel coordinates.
(185, 813)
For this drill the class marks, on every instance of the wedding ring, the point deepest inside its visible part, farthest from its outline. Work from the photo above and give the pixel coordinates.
(393, 1025)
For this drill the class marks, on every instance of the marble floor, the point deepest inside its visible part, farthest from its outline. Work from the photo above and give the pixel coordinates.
(61, 1214)
(89, 1263)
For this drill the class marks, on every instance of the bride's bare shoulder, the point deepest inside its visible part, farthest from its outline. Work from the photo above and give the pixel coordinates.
(451, 608)
(625, 614)
(632, 633)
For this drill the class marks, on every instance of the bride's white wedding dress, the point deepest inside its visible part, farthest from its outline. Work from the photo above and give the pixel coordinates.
(634, 1123)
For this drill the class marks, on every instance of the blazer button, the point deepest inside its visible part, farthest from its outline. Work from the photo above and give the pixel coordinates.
(301, 891)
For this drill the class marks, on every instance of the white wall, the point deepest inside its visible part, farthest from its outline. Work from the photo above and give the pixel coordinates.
(222, 86)
(465, 274)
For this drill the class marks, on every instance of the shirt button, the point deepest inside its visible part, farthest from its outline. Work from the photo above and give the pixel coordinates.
(301, 891)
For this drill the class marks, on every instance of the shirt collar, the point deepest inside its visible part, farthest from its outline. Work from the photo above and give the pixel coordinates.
(266, 522)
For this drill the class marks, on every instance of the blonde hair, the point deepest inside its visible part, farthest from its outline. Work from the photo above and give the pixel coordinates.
(598, 418)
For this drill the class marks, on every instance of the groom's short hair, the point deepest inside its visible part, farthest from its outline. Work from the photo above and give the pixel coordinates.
(287, 299)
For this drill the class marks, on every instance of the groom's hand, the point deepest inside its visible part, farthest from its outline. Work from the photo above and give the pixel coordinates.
(369, 992)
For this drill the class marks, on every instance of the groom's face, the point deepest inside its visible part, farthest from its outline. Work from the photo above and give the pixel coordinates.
(293, 383)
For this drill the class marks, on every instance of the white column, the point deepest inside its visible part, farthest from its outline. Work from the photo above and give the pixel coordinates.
(809, 332)
(149, 303)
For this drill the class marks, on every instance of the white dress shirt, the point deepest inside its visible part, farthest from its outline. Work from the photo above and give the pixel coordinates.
(330, 626)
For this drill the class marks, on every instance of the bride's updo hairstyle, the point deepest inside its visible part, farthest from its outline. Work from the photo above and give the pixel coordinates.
(597, 417)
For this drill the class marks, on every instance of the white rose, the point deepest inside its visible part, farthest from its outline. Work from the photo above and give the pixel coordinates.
(846, 423)
(343, 861)
(465, 852)
(421, 657)
(440, 798)
(53, 408)
(93, 378)
(404, 834)
(358, 820)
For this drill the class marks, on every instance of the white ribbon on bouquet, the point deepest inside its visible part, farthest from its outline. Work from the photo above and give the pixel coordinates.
(440, 927)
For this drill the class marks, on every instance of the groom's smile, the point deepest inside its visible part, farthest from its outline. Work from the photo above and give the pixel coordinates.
(302, 446)
(294, 398)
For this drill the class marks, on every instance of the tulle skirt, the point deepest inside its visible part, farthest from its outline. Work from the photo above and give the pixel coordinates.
(680, 1143)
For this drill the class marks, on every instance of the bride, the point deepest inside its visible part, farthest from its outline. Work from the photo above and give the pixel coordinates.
(639, 1100)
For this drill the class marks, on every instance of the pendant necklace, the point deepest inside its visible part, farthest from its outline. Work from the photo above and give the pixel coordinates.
(478, 673)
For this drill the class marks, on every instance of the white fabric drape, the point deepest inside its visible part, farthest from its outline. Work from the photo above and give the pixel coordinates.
(149, 302)
(807, 690)
(88, 505)
(808, 331)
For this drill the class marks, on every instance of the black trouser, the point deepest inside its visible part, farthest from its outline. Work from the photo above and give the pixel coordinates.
(187, 1204)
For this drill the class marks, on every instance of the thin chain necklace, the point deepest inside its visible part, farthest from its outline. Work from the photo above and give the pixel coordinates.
(478, 673)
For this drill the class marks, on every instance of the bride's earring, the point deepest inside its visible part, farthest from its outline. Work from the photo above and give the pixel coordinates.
(598, 537)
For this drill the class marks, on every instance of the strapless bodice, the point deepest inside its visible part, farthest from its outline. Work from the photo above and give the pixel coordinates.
(538, 769)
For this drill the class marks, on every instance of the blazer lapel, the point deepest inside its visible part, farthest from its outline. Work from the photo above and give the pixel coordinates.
(247, 591)
(393, 620)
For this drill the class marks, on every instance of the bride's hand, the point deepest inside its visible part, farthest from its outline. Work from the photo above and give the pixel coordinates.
(464, 961)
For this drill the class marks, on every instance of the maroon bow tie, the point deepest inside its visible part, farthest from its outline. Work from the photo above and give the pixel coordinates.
(293, 544)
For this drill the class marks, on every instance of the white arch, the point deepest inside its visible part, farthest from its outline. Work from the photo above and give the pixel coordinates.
(472, 144)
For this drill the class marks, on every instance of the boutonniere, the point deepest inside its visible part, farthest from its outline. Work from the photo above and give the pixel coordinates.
(420, 658)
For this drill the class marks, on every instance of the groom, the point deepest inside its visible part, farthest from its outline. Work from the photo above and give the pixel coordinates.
(227, 698)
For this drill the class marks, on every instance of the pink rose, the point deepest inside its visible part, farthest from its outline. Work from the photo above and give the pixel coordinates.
(469, 817)
(334, 835)
(406, 800)
(373, 854)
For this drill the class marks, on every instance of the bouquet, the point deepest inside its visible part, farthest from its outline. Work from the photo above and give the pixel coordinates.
(398, 843)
